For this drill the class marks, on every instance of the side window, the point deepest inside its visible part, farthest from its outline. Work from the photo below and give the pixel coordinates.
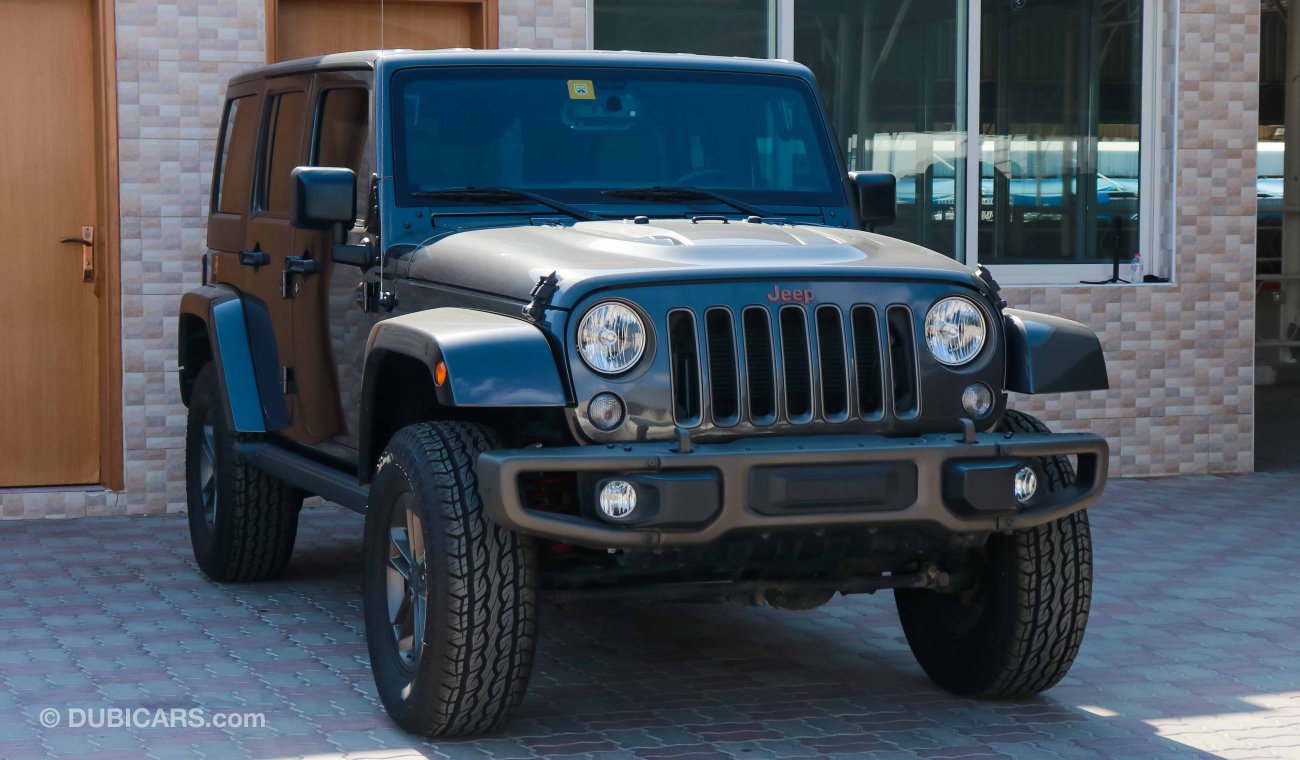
(342, 129)
(283, 139)
(233, 177)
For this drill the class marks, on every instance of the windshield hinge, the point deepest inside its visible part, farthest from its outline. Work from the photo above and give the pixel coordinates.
(542, 293)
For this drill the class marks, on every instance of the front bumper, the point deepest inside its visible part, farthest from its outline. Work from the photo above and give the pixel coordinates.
(945, 482)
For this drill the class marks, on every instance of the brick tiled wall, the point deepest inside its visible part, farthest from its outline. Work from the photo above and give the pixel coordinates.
(1181, 356)
(543, 24)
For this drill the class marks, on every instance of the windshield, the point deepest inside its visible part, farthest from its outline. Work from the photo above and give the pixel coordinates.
(574, 133)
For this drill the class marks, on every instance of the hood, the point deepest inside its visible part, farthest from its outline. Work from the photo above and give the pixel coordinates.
(590, 255)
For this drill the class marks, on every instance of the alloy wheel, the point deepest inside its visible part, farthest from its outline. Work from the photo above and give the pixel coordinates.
(407, 591)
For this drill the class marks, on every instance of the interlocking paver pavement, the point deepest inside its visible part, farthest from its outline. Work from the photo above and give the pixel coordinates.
(1193, 651)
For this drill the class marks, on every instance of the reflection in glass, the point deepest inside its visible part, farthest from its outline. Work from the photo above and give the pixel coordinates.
(1060, 113)
(892, 73)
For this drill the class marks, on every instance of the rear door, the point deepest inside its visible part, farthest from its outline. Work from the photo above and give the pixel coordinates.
(269, 236)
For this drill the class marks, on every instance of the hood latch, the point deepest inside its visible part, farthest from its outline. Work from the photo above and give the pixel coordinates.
(542, 293)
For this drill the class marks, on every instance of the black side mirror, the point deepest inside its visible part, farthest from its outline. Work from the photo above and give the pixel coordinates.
(877, 195)
(324, 198)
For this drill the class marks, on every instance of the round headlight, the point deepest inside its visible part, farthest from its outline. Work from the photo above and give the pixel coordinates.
(955, 331)
(611, 338)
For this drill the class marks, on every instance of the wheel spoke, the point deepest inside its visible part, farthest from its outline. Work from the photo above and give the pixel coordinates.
(401, 541)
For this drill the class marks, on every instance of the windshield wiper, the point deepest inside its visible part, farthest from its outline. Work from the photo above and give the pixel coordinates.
(502, 195)
(677, 194)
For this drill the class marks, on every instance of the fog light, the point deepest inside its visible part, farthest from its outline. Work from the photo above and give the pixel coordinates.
(617, 499)
(605, 412)
(977, 400)
(1026, 485)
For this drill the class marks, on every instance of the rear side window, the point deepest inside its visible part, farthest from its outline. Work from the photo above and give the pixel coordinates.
(283, 141)
(234, 164)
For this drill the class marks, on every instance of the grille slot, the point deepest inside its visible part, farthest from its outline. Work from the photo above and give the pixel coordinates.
(759, 366)
(834, 364)
(684, 358)
(902, 361)
(866, 354)
(724, 377)
(796, 366)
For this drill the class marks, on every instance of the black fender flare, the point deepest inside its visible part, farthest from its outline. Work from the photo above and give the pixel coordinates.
(241, 343)
(1047, 354)
(492, 361)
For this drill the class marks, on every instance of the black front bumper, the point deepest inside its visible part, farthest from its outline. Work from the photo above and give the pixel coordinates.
(793, 483)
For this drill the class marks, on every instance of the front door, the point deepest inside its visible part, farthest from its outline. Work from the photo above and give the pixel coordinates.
(49, 297)
(330, 327)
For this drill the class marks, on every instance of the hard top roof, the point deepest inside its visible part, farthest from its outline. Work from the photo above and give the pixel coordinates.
(369, 59)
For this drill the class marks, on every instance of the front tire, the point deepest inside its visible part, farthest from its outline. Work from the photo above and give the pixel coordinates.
(243, 522)
(1017, 632)
(450, 597)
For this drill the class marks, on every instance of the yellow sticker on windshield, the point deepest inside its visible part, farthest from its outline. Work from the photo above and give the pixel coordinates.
(581, 89)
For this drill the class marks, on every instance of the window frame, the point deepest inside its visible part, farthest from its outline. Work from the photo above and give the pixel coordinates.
(275, 91)
(1152, 204)
(325, 84)
(226, 228)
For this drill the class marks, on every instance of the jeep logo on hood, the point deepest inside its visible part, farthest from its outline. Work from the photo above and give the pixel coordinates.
(782, 295)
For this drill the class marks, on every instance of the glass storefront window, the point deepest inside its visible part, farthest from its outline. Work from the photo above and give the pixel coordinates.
(1047, 94)
(1060, 120)
(714, 27)
(892, 73)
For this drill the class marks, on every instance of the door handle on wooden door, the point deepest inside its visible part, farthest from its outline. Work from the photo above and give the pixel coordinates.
(87, 241)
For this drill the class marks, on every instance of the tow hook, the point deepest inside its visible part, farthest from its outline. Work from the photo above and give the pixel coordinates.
(684, 443)
(968, 431)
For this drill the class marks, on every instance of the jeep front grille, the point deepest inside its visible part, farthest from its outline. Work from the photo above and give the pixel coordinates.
(792, 364)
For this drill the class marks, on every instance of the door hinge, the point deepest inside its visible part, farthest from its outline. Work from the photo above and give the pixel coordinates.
(371, 297)
(288, 381)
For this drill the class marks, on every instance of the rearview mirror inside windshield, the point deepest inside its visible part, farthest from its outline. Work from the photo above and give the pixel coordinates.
(616, 111)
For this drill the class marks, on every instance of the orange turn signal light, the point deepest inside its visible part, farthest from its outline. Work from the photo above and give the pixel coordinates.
(440, 373)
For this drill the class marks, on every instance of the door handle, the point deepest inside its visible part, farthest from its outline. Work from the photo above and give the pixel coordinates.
(254, 257)
(87, 241)
(301, 265)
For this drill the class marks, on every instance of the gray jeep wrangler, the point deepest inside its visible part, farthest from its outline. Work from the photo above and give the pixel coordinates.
(608, 326)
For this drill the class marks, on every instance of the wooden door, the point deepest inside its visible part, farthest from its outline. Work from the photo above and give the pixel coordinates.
(305, 28)
(49, 314)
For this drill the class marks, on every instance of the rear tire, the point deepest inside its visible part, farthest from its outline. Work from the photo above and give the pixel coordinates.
(1017, 632)
(243, 522)
(450, 596)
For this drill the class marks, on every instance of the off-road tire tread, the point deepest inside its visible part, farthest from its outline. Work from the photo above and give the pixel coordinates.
(264, 523)
(1055, 589)
(491, 585)
(1051, 566)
